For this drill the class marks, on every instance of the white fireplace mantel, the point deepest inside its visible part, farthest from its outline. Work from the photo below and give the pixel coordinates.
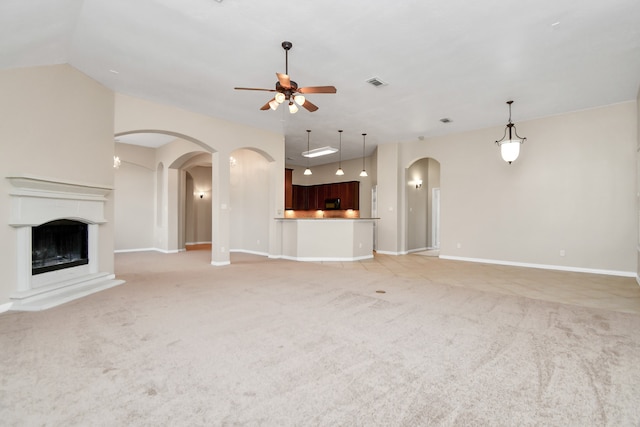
(36, 201)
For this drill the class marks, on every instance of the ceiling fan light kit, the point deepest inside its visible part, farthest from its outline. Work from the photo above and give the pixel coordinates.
(288, 90)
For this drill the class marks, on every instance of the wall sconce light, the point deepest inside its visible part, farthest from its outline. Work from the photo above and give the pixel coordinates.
(510, 148)
(116, 162)
(201, 194)
(418, 183)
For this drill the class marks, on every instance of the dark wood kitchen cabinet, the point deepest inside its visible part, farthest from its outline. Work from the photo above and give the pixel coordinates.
(312, 197)
(288, 189)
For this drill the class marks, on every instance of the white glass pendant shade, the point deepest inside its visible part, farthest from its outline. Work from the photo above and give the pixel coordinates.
(339, 171)
(364, 173)
(307, 171)
(510, 150)
(293, 108)
(273, 104)
(299, 99)
(280, 97)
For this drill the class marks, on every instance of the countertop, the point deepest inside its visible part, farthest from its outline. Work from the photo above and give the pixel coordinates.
(325, 219)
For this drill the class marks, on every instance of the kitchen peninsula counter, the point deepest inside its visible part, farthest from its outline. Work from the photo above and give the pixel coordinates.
(327, 239)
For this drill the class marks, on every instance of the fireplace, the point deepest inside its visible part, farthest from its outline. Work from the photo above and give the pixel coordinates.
(59, 244)
(59, 225)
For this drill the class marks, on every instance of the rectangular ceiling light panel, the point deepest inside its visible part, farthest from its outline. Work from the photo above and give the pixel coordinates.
(317, 152)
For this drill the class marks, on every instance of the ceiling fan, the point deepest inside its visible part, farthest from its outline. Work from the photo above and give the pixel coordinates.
(288, 90)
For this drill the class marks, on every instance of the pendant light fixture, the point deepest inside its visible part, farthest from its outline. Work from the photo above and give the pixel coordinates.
(340, 171)
(307, 171)
(510, 148)
(364, 172)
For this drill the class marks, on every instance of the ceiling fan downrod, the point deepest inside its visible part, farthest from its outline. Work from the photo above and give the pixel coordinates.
(286, 46)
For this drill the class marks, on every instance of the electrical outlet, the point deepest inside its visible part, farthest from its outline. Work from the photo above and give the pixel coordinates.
(562, 252)
(459, 245)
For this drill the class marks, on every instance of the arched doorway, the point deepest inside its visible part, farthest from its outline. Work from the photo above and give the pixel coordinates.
(423, 205)
(150, 197)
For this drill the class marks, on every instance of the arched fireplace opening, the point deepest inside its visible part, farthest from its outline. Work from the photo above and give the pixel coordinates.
(59, 244)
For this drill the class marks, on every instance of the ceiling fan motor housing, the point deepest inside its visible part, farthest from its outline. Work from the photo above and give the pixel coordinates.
(287, 91)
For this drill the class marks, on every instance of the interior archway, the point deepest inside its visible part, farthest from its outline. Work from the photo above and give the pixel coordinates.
(423, 205)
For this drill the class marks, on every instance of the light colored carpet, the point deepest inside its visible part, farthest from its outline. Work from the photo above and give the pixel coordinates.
(278, 343)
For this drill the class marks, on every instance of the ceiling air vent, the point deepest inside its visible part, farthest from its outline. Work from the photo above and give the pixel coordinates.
(376, 82)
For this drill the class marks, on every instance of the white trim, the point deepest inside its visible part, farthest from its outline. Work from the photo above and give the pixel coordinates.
(164, 251)
(34, 186)
(198, 243)
(410, 251)
(389, 252)
(169, 251)
(220, 263)
(543, 266)
(249, 252)
(326, 259)
(5, 307)
(124, 251)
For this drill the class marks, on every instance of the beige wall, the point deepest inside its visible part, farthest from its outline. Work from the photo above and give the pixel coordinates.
(250, 195)
(56, 123)
(572, 189)
(134, 196)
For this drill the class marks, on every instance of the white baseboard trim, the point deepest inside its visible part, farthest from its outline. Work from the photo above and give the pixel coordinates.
(389, 253)
(410, 251)
(245, 251)
(638, 280)
(5, 307)
(164, 251)
(326, 259)
(197, 243)
(543, 266)
(220, 263)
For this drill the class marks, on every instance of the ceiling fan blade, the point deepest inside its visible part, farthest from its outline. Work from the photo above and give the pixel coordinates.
(254, 88)
(284, 80)
(267, 106)
(309, 106)
(317, 89)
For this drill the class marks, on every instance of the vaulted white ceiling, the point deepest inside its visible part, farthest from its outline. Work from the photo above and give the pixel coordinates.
(455, 59)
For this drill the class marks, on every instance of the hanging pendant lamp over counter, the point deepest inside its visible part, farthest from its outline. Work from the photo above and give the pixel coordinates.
(340, 171)
(364, 172)
(510, 148)
(307, 171)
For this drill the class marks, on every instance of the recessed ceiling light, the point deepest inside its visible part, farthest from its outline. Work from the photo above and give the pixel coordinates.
(114, 71)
